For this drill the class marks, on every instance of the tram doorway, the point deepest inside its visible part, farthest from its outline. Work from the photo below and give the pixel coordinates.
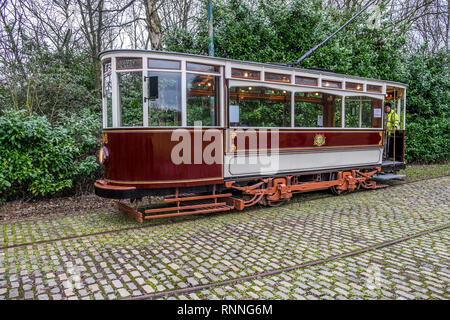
(394, 142)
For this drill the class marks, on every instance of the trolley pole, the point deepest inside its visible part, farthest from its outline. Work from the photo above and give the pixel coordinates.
(310, 52)
(210, 28)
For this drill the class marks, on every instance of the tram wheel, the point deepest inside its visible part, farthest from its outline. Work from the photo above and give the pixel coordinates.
(275, 203)
(338, 192)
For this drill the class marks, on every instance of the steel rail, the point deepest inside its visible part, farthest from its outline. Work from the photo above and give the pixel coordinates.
(287, 269)
(183, 219)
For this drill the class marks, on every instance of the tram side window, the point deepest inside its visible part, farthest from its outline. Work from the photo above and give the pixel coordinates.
(315, 109)
(259, 107)
(352, 108)
(107, 92)
(164, 108)
(363, 112)
(202, 99)
(130, 97)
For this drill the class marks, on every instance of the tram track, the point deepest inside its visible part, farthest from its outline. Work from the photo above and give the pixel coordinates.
(287, 269)
(177, 221)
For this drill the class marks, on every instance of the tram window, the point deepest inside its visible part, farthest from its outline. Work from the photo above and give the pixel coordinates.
(337, 112)
(107, 92)
(107, 67)
(277, 77)
(259, 107)
(363, 112)
(130, 97)
(352, 107)
(354, 86)
(373, 88)
(315, 109)
(129, 63)
(202, 67)
(164, 106)
(107, 95)
(202, 99)
(164, 64)
(306, 81)
(331, 84)
(247, 74)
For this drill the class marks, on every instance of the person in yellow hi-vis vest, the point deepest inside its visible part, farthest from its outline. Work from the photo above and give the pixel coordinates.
(392, 124)
(393, 121)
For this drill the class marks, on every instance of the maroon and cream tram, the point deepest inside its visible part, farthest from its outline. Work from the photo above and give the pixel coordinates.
(211, 134)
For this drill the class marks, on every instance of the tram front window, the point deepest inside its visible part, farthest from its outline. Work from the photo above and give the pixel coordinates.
(107, 93)
(130, 98)
(164, 106)
(202, 99)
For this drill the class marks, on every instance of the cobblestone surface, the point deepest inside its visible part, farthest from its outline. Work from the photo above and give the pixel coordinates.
(415, 269)
(232, 245)
(32, 230)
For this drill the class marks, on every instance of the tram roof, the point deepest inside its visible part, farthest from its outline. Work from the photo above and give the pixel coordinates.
(260, 64)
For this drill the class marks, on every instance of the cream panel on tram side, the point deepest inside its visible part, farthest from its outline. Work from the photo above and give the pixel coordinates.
(289, 162)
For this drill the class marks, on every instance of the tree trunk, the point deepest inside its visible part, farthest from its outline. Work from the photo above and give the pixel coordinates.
(153, 24)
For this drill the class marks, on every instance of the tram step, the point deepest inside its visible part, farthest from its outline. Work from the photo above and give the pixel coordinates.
(210, 196)
(217, 208)
(183, 208)
(388, 176)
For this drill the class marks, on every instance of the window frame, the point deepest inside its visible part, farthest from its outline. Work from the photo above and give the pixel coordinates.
(360, 110)
(128, 69)
(306, 84)
(278, 74)
(159, 68)
(184, 71)
(258, 85)
(204, 64)
(147, 99)
(219, 86)
(246, 78)
(374, 85)
(332, 81)
(338, 95)
(105, 74)
(354, 89)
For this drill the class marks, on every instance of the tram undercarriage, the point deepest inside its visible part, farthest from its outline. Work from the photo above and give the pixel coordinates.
(239, 194)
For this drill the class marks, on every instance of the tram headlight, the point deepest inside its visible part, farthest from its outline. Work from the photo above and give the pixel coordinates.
(103, 155)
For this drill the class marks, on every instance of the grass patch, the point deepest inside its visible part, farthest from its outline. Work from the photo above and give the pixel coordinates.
(416, 172)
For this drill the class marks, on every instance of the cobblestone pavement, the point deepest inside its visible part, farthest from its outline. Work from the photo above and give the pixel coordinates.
(415, 269)
(226, 246)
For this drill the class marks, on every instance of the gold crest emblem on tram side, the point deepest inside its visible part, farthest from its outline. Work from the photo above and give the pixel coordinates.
(105, 139)
(319, 139)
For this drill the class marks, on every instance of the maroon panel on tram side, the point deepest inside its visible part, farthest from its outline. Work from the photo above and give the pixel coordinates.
(142, 158)
(304, 139)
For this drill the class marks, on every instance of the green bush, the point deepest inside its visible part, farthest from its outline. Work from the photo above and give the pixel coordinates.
(40, 159)
(427, 140)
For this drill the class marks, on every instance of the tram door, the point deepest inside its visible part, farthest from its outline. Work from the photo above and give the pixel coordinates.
(395, 141)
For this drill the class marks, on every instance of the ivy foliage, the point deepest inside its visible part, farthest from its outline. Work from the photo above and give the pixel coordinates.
(428, 101)
(39, 159)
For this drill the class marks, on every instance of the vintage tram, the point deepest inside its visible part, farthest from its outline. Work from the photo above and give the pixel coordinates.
(208, 134)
